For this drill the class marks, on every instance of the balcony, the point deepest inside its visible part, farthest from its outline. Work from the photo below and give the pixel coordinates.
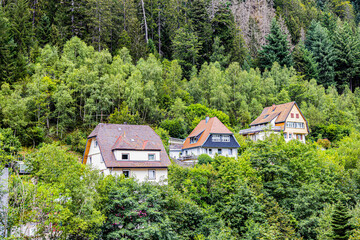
(259, 129)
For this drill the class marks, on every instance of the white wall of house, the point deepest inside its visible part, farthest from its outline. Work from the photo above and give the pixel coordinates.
(210, 151)
(136, 155)
(174, 153)
(142, 174)
(94, 157)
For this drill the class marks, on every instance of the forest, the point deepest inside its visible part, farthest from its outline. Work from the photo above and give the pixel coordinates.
(66, 66)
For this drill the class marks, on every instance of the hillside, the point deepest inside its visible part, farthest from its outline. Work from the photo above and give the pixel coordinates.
(66, 66)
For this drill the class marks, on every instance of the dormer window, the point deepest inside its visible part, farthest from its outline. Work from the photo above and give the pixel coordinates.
(151, 157)
(216, 138)
(193, 140)
(225, 138)
(125, 156)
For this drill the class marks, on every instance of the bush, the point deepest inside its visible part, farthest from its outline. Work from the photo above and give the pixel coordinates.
(76, 140)
(204, 159)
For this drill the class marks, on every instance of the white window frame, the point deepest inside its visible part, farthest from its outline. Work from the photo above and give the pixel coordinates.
(95, 144)
(216, 138)
(153, 177)
(225, 138)
(230, 151)
(152, 154)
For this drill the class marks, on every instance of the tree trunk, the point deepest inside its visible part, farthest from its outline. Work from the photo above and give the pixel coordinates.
(146, 28)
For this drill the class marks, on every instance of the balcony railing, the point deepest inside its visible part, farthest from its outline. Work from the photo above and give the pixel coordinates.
(259, 129)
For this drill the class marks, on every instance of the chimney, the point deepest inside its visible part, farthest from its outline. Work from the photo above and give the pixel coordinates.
(206, 119)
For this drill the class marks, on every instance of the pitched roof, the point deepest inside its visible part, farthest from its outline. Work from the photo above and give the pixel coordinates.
(203, 129)
(280, 111)
(130, 137)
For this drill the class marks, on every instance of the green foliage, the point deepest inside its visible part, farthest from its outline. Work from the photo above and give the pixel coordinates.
(277, 48)
(340, 222)
(175, 127)
(204, 159)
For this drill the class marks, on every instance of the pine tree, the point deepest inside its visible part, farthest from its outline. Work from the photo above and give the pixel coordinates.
(277, 48)
(304, 62)
(321, 46)
(186, 49)
(347, 48)
(201, 26)
(340, 222)
(219, 53)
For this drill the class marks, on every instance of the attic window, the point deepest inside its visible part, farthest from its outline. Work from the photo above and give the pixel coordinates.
(266, 116)
(216, 138)
(125, 156)
(95, 144)
(297, 115)
(292, 115)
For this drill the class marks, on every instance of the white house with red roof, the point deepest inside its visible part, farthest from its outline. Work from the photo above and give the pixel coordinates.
(132, 150)
(211, 137)
(286, 118)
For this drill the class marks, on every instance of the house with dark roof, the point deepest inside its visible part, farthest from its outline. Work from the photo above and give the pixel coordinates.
(211, 137)
(132, 150)
(283, 118)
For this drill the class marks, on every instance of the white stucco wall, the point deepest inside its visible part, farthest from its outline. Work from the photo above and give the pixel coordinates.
(199, 150)
(174, 153)
(142, 174)
(96, 158)
(137, 155)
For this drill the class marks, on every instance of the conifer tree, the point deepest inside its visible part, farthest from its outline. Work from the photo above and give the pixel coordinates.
(320, 44)
(277, 48)
(347, 48)
(304, 62)
(340, 222)
(219, 53)
(200, 24)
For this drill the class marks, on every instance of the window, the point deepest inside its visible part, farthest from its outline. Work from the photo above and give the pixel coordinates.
(225, 138)
(290, 135)
(151, 157)
(95, 144)
(210, 151)
(193, 140)
(219, 151)
(292, 115)
(274, 109)
(90, 160)
(125, 156)
(230, 151)
(297, 115)
(301, 137)
(152, 174)
(126, 173)
(266, 116)
(285, 135)
(216, 138)
(295, 125)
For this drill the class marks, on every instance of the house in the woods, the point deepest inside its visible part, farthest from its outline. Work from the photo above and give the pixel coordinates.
(211, 137)
(283, 118)
(175, 145)
(132, 150)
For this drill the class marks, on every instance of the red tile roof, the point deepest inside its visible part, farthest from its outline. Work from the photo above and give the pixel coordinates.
(214, 125)
(130, 137)
(280, 111)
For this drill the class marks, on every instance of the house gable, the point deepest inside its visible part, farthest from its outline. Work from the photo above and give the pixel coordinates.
(295, 116)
